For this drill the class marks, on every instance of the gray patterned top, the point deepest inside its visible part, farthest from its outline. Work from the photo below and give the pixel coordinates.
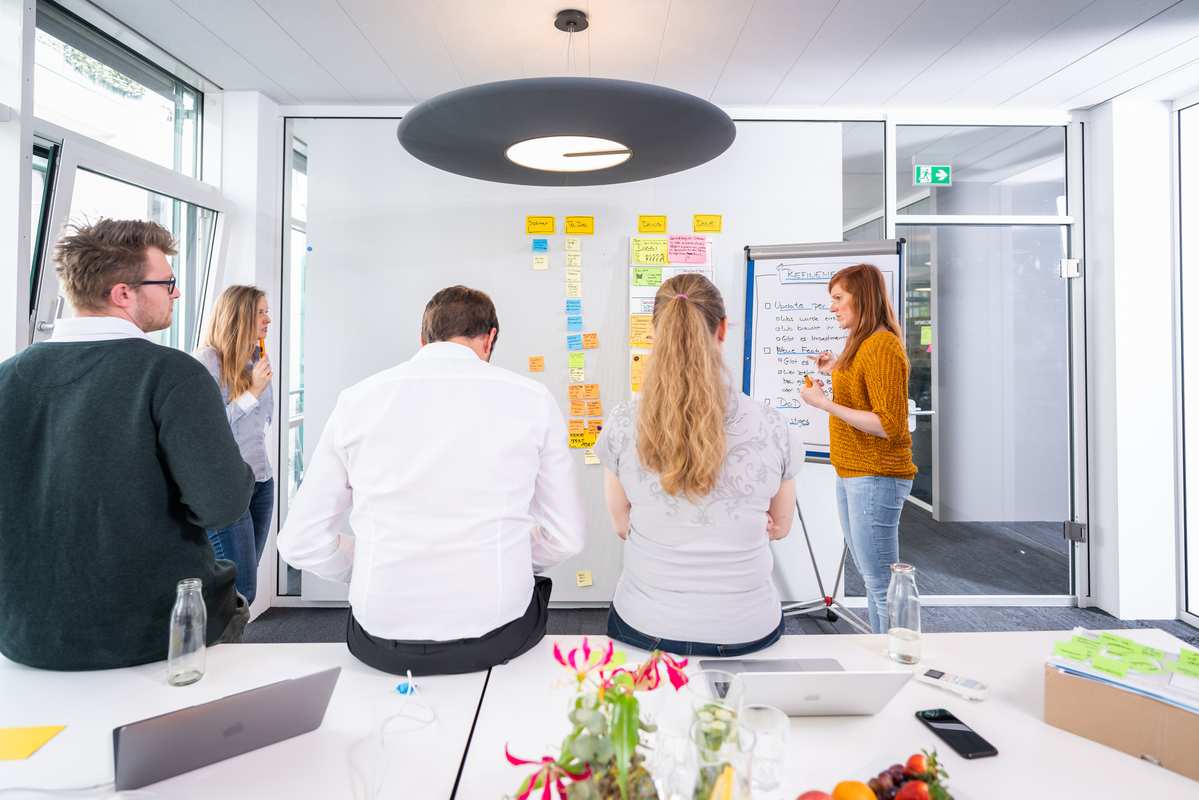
(701, 571)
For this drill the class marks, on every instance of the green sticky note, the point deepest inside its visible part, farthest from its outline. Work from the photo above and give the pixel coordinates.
(1189, 657)
(1111, 638)
(1071, 650)
(574, 361)
(926, 335)
(1122, 649)
(1143, 663)
(1112, 666)
(647, 276)
(1152, 652)
(1183, 668)
(1092, 646)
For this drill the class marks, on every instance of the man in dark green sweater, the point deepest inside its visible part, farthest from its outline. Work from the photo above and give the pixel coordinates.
(116, 457)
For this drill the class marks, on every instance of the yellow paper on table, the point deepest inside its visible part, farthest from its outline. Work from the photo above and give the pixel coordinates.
(574, 260)
(20, 743)
(539, 224)
(651, 223)
(536, 363)
(637, 370)
(591, 391)
(648, 252)
(576, 375)
(577, 225)
(641, 330)
(595, 408)
(576, 392)
(575, 360)
(706, 223)
(578, 408)
(574, 244)
(590, 341)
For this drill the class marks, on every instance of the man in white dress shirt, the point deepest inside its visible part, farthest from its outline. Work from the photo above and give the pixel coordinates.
(458, 485)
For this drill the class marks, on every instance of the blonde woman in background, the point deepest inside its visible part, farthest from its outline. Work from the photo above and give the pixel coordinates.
(698, 480)
(233, 351)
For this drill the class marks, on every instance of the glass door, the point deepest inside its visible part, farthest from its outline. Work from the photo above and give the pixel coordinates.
(1188, 209)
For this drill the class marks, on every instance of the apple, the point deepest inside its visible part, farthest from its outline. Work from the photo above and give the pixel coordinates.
(815, 794)
(913, 790)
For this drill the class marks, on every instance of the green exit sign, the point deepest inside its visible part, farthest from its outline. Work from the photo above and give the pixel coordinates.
(932, 175)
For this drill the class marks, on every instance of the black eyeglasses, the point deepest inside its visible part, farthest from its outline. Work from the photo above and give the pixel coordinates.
(169, 284)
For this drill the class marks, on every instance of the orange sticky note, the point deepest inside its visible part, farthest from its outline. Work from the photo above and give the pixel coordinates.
(594, 409)
(575, 426)
(595, 426)
(590, 341)
(637, 370)
(20, 743)
(536, 363)
(582, 440)
(578, 408)
(577, 391)
(590, 391)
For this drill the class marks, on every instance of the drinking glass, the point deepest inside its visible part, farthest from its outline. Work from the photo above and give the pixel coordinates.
(771, 728)
(724, 767)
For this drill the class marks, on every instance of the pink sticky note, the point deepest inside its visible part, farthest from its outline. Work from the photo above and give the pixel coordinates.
(687, 250)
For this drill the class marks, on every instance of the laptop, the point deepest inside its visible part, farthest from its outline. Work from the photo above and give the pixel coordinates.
(813, 687)
(161, 747)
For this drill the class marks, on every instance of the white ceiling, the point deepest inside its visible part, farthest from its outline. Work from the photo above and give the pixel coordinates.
(1049, 54)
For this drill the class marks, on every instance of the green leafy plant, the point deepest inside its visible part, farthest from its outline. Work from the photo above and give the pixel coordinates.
(599, 758)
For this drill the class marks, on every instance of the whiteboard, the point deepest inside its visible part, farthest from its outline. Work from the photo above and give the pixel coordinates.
(789, 324)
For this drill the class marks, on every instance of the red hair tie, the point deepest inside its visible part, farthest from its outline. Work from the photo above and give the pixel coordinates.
(680, 294)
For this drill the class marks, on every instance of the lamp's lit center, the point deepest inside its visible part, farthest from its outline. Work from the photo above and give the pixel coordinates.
(568, 153)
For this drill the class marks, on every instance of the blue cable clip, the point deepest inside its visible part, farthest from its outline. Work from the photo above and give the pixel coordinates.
(407, 687)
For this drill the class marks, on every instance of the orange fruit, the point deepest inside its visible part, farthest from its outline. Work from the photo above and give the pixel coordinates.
(852, 790)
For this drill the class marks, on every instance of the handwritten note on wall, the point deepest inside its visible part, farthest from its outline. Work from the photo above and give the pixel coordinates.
(647, 251)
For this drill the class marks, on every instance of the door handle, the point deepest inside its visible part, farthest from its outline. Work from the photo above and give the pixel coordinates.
(45, 327)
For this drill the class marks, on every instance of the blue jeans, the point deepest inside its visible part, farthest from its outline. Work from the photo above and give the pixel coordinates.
(870, 509)
(243, 541)
(624, 632)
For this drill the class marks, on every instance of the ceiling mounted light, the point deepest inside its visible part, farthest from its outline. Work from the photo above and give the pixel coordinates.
(566, 131)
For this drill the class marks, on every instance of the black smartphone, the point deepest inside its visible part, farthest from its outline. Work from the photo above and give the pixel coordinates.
(955, 733)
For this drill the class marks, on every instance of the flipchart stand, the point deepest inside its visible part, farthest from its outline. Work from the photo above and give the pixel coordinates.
(827, 601)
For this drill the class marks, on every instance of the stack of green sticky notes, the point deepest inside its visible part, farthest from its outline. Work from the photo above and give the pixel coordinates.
(1118, 655)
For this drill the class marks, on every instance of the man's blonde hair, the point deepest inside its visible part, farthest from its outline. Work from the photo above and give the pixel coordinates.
(96, 257)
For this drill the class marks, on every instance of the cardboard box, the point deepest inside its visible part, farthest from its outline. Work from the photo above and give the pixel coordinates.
(1140, 726)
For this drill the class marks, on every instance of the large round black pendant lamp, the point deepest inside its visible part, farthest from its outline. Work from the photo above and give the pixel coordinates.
(565, 131)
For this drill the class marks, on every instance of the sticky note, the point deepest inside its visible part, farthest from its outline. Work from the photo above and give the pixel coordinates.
(706, 223)
(576, 375)
(574, 259)
(576, 392)
(1189, 657)
(574, 323)
(1111, 638)
(1112, 666)
(595, 425)
(578, 225)
(651, 223)
(591, 391)
(541, 261)
(575, 426)
(590, 341)
(647, 276)
(574, 341)
(1092, 646)
(1183, 668)
(574, 289)
(539, 224)
(578, 408)
(637, 370)
(1152, 652)
(595, 408)
(1122, 649)
(574, 274)
(589, 456)
(641, 330)
(20, 743)
(581, 441)
(583, 578)
(536, 363)
(575, 361)
(1071, 650)
(574, 244)
(541, 245)
(647, 251)
(1143, 663)
(687, 249)
(574, 306)
(926, 335)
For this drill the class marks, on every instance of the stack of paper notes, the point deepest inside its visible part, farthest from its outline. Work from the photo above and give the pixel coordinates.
(1117, 660)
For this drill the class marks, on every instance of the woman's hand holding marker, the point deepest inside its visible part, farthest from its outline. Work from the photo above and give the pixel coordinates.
(813, 392)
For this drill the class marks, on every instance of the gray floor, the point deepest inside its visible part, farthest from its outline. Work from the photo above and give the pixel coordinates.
(329, 624)
(978, 557)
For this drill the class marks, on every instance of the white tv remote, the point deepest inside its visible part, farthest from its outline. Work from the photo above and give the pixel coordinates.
(965, 687)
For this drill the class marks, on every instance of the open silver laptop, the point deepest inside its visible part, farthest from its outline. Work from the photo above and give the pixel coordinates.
(164, 746)
(812, 687)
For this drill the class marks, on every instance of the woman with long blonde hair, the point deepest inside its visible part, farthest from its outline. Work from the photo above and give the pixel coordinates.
(870, 445)
(234, 353)
(698, 480)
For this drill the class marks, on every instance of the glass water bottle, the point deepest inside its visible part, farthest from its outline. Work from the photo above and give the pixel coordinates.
(903, 610)
(187, 651)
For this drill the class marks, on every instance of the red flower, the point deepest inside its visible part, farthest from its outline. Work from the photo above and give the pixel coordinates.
(647, 676)
(582, 666)
(550, 773)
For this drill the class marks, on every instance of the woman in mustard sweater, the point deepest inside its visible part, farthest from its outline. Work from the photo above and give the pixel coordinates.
(871, 448)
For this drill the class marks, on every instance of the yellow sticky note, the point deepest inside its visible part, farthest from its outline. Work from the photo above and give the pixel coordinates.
(576, 375)
(706, 223)
(574, 288)
(574, 245)
(589, 456)
(651, 223)
(578, 408)
(20, 743)
(637, 370)
(926, 335)
(641, 330)
(583, 578)
(590, 341)
(573, 272)
(541, 261)
(536, 363)
(577, 225)
(591, 391)
(595, 408)
(648, 252)
(577, 392)
(581, 440)
(539, 224)
(574, 260)
(575, 360)
(575, 426)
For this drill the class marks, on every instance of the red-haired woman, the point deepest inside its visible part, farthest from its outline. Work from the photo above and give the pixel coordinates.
(871, 448)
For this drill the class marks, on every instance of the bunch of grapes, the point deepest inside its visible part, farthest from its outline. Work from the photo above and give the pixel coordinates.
(922, 778)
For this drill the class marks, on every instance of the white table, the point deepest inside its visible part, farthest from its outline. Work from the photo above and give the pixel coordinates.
(526, 701)
(422, 764)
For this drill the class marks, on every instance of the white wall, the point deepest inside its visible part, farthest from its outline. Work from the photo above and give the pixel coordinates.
(1130, 363)
(387, 231)
(16, 141)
